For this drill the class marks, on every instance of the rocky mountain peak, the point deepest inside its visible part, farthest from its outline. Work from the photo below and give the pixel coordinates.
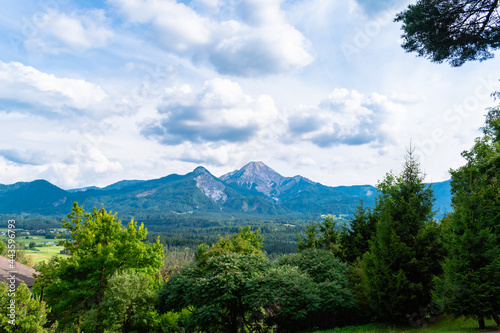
(209, 185)
(255, 175)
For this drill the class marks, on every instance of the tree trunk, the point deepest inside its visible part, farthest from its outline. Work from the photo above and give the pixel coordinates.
(496, 319)
(481, 323)
(79, 323)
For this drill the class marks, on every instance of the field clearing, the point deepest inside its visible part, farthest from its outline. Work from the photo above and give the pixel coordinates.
(442, 325)
(45, 252)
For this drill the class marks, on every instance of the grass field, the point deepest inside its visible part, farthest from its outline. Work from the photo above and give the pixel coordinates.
(44, 253)
(442, 325)
(38, 254)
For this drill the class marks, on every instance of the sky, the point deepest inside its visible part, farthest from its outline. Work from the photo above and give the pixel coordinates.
(93, 92)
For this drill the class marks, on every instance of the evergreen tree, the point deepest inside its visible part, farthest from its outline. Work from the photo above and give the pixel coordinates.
(322, 235)
(397, 274)
(355, 237)
(21, 312)
(470, 285)
(452, 30)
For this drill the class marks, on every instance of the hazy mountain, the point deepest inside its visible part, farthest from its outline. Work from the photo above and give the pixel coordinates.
(254, 191)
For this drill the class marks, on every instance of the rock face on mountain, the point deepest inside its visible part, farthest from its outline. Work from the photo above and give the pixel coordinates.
(209, 185)
(261, 178)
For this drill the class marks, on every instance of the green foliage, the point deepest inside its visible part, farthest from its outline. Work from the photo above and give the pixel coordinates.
(99, 247)
(286, 296)
(355, 237)
(400, 264)
(244, 242)
(3, 248)
(330, 278)
(470, 284)
(311, 239)
(322, 235)
(214, 288)
(232, 286)
(30, 314)
(453, 30)
(127, 305)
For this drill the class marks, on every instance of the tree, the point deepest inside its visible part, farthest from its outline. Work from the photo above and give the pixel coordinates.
(30, 314)
(329, 276)
(99, 246)
(283, 297)
(355, 237)
(127, 303)
(470, 284)
(215, 285)
(244, 241)
(232, 287)
(397, 271)
(32, 245)
(322, 235)
(214, 288)
(453, 30)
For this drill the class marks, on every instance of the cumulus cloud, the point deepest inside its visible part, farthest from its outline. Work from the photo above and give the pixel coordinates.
(206, 153)
(41, 92)
(346, 118)
(253, 38)
(219, 112)
(89, 165)
(29, 156)
(56, 32)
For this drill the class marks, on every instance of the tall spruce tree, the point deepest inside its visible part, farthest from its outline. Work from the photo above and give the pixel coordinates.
(397, 271)
(470, 285)
(355, 237)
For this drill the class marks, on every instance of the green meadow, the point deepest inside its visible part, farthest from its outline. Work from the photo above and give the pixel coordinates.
(42, 251)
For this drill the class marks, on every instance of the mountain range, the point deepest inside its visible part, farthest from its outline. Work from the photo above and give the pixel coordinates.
(254, 191)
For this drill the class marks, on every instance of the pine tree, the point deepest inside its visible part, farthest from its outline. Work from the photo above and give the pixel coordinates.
(397, 273)
(355, 238)
(470, 284)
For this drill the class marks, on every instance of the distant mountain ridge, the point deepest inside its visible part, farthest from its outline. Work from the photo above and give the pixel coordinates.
(254, 191)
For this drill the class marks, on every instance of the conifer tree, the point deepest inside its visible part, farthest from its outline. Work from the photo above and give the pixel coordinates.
(355, 237)
(397, 274)
(470, 285)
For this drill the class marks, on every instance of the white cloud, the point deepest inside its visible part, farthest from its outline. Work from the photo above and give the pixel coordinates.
(219, 112)
(28, 156)
(261, 43)
(57, 32)
(20, 84)
(347, 118)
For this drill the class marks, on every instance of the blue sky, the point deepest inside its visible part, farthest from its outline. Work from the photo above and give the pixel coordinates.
(93, 92)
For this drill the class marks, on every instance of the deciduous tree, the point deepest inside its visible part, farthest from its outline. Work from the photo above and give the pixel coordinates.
(99, 246)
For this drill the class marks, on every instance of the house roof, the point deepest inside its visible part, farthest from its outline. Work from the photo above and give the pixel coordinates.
(22, 272)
